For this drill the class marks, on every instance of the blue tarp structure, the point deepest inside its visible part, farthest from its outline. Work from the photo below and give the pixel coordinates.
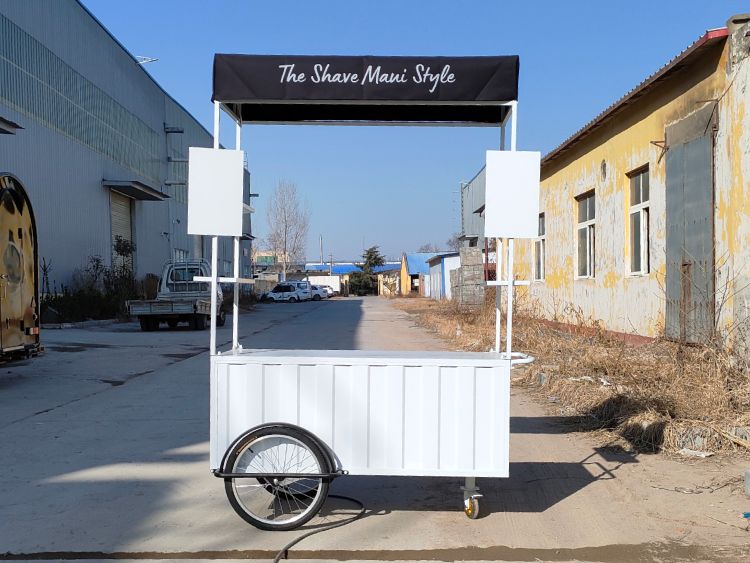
(416, 262)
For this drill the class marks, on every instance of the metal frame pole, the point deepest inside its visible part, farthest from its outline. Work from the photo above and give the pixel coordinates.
(498, 273)
(509, 311)
(214, 260)
(214, 248)
(513, 124)
(236, 301)
(510, 273)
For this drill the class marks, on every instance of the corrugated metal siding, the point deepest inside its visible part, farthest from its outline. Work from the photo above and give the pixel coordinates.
(89, 113)
(472, 198)
(436, 281)
(37, 83)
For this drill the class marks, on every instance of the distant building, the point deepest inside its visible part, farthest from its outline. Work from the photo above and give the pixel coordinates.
(441, 267)
(412, 266)
(645, 220)
(389, 281)
(99, 146)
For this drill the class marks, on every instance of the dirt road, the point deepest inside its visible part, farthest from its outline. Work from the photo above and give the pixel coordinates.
(105, 446)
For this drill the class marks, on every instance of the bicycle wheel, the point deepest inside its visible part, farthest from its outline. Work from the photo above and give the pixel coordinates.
(270, 503)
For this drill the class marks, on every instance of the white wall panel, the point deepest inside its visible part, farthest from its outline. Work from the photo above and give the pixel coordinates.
(422, 417)
(316, 387)
(381, 413)
(349, 403)
(281, 393)
(386, 419)
(456, 417)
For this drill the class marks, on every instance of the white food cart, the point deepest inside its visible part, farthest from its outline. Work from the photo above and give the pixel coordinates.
(285, 423)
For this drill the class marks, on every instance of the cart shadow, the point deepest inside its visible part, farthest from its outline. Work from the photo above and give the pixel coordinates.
(532, 487)
(546, 424)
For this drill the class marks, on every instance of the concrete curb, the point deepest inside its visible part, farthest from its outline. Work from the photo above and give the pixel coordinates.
(82, 324)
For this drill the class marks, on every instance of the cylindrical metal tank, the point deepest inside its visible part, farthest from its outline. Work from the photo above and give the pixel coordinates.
(19, 271)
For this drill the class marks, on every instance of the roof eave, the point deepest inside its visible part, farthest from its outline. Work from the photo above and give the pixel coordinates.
(707, 38)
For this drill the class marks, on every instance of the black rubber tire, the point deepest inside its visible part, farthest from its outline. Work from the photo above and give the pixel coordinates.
(292, 300)
(316, 297)
(221, 318)
(172, 323)
(245, 443)
(148, 324)
(198, 322)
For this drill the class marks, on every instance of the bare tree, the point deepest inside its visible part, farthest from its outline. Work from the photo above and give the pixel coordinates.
(288, 222)
(429, 247)
(454, 243)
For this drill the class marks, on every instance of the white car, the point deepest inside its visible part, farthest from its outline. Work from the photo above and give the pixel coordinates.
(329, 290)
(319, 292)
(305, 292)
(284, 292)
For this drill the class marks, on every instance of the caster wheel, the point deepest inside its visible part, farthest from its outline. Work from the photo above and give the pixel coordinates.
(471, 508)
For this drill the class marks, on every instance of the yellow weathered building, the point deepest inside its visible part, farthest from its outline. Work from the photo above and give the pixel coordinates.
(645, 212)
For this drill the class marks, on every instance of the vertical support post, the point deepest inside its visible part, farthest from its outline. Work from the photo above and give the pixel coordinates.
(509, 269)
(498, 277)
(236, 259)
(214, 249)
(509, 311)
(214, 273)
(217, 108)
(236, 302)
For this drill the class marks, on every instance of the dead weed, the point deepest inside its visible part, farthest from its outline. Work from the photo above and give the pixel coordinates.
(658, 395)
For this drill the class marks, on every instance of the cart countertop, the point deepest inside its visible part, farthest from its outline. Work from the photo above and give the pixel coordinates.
(362, 357)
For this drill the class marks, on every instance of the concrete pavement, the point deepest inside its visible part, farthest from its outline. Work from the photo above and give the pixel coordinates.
(104, 440)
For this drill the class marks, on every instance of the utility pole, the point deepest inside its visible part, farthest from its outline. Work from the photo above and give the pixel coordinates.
(330, 269)
(321, 249)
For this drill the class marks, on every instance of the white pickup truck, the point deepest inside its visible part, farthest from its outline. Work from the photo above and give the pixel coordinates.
(179, 299)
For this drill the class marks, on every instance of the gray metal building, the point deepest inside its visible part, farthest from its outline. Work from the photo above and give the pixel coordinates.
(99, 146)
(472, 210)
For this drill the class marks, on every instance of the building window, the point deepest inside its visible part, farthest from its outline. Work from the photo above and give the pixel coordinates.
(180, 255)
(539, 250)
(586, 235)
(639, 227)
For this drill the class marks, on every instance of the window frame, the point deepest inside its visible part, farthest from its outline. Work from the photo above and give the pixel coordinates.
(590, 225)
(540, 244)
(180, 255)
(642, 208)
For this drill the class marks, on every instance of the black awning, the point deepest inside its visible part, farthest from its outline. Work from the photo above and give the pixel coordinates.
(8, 127)
(335, 89)
(135, 189)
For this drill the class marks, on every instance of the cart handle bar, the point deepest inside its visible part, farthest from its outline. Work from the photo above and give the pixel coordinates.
(518, 358)
(333, 475)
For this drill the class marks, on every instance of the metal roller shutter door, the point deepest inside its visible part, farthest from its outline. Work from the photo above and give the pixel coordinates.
(121, 217)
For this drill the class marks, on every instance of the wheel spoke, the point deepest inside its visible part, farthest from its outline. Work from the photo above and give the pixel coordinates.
(281, 501)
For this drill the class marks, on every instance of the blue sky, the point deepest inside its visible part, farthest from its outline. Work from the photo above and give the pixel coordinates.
(397, 186)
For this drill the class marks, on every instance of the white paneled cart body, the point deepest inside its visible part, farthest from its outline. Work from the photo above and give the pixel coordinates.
(380, 413)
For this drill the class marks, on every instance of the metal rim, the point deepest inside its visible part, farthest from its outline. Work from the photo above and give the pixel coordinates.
(288, 500)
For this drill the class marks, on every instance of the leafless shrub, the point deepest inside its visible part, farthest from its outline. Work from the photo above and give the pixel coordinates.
(648, 393)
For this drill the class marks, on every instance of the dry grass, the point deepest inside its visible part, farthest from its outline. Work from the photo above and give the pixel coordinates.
(657, 395)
